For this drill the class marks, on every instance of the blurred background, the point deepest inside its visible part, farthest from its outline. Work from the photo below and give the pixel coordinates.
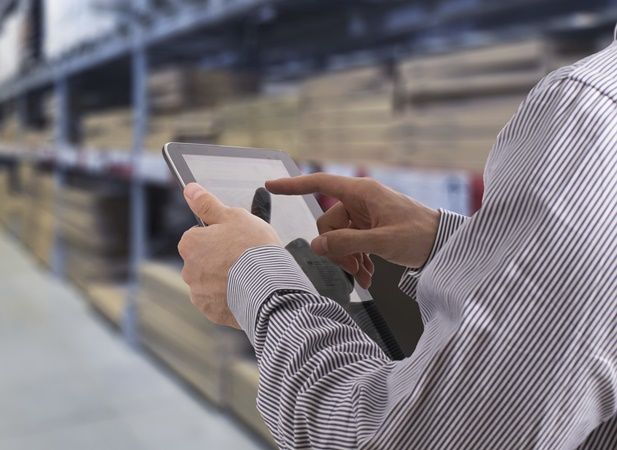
(100, 346)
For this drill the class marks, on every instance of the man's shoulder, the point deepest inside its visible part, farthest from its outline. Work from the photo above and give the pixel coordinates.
(597, 72)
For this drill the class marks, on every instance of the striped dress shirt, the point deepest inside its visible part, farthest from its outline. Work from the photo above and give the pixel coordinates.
(519, 305)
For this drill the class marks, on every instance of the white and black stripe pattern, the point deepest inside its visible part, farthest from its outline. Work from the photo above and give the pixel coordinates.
(519, 304)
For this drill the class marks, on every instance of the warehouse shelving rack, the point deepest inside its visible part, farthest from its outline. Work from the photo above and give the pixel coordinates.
(375, 31)
(142, 168)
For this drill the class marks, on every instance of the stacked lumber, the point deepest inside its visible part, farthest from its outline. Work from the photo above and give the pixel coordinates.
(243, 383)
(347, 115)
(490, 70)
(180, 88)
(108, 299)
(93, 229)
(108, 130)
(185, 99)
(13, 134)
(276, 121)
(178, 334)
(5, 195)
(38, 226)
(260, 121)
(16, 210)
(197, 125)
(9, 129)
(13, 214)
(456, 103)
(454, 135)
(184, 103)
(112, 130)
(266, 121)
(37, 138)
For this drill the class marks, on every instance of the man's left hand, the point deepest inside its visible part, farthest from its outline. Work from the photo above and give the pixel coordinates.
(209, 252)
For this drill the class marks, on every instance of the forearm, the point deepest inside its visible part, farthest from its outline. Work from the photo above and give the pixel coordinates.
(319, 373)
(322, 379)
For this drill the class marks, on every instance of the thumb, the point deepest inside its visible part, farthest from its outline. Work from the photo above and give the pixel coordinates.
(343, 242)
(204, 204)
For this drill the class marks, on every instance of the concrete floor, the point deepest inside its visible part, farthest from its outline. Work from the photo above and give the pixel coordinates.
(68, 382)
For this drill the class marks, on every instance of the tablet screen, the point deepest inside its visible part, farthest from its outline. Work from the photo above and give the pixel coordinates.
(234, 181)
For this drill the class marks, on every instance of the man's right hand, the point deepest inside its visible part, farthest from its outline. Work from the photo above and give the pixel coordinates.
(368, 219)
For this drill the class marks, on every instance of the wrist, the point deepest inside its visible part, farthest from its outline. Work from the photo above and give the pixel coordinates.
(426, 235)
(258, 273)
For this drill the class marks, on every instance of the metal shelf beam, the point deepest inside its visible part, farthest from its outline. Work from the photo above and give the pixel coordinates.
(400, 19)
(112, 47)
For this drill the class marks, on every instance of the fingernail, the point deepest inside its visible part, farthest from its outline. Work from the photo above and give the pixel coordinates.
(320, 245)
(193, 191)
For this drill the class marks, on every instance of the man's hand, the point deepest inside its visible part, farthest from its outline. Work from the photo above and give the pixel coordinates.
(369, 218)
(209, 252)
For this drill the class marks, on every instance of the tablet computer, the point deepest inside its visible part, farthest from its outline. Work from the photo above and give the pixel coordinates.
(237, 176)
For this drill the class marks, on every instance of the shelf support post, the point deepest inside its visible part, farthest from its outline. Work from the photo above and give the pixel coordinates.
(62, 138)
(137, 202)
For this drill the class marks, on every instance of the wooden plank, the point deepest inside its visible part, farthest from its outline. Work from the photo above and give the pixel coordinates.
(479, 85)
(483, 59)
(108, 299)
(347, 83)
(243, 383)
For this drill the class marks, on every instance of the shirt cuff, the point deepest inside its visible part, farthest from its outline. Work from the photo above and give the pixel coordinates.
(449, 223)
(259, 273)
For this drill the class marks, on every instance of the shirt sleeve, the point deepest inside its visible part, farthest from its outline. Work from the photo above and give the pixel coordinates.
(319, 373)
(449, 223)
(518, 343)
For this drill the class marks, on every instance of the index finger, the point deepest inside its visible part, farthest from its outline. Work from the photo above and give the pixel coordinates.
(323, 183)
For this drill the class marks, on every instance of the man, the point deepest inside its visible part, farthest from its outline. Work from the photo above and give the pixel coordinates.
(519, 302)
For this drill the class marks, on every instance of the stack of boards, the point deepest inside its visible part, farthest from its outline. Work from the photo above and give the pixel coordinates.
(94, 228)
(91, 225)
(107, 298)
(108, 130)
(19, 136)
(456, 103)
(266, 121)
(437, 110)
(184, 101)
(12, 204)
(38, 226)
(23, 138)
(27, 208)
(181, 88)
(347, 115)
(243, 382)
(9, 129)
(112, 130)
(177, 333)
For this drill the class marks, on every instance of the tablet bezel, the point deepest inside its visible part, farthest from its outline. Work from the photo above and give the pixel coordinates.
(174, 152)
